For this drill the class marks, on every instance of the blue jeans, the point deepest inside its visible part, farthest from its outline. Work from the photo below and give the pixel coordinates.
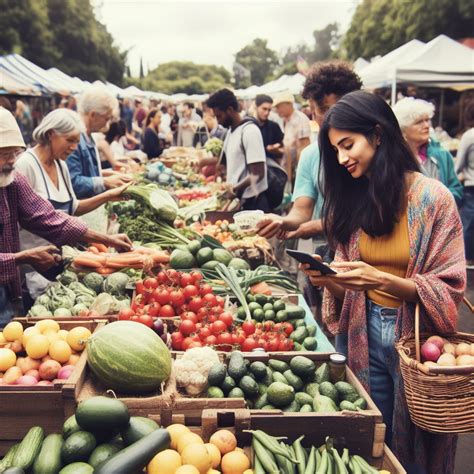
(6, 310)
(383, 361)
(467, 217)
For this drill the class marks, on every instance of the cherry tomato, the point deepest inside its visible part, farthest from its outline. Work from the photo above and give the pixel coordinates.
(161, 296)
(150, 283)
(177, 298)
(248, 327)
(167, 311)
(125, 314)
(205, 289)
(226, 318)
(139, 287)
(218, 327)
(220, 301)
(287, 328)
(177, 340)
(186, 279)
(187, 327)
(209, 300)
(195, 304)
(190, 316)
(190, 291)
(249, 344)
(261, 342)
(211, 340)
(146, 320)
(197, 277)
(154, 310)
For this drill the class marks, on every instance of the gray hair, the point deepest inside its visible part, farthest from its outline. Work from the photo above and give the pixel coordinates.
(97, 99)
(409, 110)
(60, 121)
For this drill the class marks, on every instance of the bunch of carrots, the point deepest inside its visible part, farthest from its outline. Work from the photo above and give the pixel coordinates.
(97, 258)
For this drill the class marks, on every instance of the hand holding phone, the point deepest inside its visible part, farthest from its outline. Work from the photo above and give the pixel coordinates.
(314, 264)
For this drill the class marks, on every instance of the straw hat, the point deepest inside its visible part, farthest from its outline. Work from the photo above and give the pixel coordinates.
(10, 134)
(283, 97)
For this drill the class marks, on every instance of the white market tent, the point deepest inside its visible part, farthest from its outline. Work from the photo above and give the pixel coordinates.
(12, 84)
(74, 86)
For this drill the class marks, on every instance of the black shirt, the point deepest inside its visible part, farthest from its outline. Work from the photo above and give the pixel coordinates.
(151, 144)
(271, 134)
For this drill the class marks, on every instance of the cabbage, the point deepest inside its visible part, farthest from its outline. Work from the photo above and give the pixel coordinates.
(38, 310)
(116, 283)
(103, 304)
(120, 303)
(93, 281)
(42, 300)
(81, 290)
(78, 308)
(62, 312)
(67, 277)
(85, 300)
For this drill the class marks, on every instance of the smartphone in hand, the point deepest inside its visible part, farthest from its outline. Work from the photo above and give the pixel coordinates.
(314, 264)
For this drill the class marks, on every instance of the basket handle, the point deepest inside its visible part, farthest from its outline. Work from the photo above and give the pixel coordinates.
(417, 325)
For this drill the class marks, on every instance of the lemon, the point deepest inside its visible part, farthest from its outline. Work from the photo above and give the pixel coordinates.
(165, 462)
(13, 331)
(175, 431)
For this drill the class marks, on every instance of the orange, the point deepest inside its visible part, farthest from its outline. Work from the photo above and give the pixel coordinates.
(187, 469)
(175, 431)
(197, 456)
(59, 350)
(224, 440)
(13, 331)
(37, 346)
(7, 359)
(165, 462)
(235, 462)
(215, 454)
(47, 325)
(186, 439)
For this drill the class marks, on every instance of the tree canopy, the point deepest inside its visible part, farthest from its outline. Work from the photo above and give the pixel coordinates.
(185, 76)
(63, 34)
(379, 26)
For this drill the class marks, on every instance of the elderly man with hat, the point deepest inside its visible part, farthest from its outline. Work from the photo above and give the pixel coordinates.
(21, 206)
(297, 130)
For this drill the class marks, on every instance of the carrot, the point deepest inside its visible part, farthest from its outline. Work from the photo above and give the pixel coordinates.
(93, 256)
(261, 289)
(161, 257)
(105, 270)
(86, 262)
(100, 247)
(93, 250)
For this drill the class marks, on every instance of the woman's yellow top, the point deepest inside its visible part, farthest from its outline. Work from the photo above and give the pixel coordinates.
(390, 254)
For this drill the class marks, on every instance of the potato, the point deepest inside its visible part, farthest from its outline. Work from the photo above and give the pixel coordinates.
(464, 359)
(463, 348)
(449, 348)
(447, 360)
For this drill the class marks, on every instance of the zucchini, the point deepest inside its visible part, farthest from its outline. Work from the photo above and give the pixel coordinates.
(49, 458)
(14, 470)
(102, 414)
(77, 468)
(7, 460)
(78, 447)
(138, 427)
(102, 453)
(70, 426)
(136, 456)
(29, 448)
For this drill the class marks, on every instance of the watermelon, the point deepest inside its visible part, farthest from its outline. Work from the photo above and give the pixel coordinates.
(128, 357)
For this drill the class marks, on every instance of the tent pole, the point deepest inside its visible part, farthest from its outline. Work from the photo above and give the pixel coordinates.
(441, 109)
(394, 88)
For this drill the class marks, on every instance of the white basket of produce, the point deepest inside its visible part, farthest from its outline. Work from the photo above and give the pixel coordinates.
(247, 220)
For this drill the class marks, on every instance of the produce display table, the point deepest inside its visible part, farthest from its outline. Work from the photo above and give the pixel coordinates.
(323, 342)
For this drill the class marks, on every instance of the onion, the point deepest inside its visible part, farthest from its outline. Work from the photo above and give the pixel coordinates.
(430, 351)
(65, 372)
(27, 380)
(159, 327)
(437, 340)
(464, 359)
(447, 360)
(463, 348)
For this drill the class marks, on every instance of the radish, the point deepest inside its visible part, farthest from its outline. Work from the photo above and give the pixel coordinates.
(430, 351)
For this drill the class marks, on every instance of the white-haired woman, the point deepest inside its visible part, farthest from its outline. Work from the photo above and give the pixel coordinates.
(56, 137)
(414, 117)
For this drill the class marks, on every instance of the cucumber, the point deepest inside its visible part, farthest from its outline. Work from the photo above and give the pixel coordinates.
(138, 427)
(278, 365)
(102, 414)
(78, 447)
(70, 426)
(236, 366)
(311, 331)
(7, 460)
(278, 377)
(261, 401)
(293, 380)
(77, 468)
(29, 448)
(49, 458)
(101, 453)
(14, 470)
(136, 456)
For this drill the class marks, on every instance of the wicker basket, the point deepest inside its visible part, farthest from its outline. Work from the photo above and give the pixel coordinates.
(439, 399)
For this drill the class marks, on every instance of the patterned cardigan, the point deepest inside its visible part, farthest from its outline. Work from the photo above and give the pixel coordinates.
(437, 266)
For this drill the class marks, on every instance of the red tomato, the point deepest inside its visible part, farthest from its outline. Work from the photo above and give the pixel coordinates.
(173, 275)
(187, 327)
(167, 311)
(261, 342)
(162, 278)
(205, 289)
(203, 313)
(224, 338)
(139, 287)
(211, 340)
(212, 318)
(190, 291)
(186, 279)
(177, 341)
(197, 277)
(195, 344)
(278, 327)
(146, 320)
(135, 318)
(154, 310)
(285, 345)
(249, 344)
(195, 304)
(287, 328)
(273, 345)
(220, 301)
(210, 300)
(226, 318)
(238, 338)
(125, 314)
(177, 298)
(204, 333)
(186, 343)
(248, 327)
(191, 316)
(218, 327)
(268, 325)
(150, 283)
(161, 296)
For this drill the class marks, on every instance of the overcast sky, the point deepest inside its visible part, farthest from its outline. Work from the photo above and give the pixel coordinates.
(212, 31)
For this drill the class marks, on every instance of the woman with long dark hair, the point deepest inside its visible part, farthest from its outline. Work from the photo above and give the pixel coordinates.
(151, 144)
(398, 241)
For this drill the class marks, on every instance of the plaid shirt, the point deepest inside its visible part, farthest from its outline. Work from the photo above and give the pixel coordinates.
(21, 206)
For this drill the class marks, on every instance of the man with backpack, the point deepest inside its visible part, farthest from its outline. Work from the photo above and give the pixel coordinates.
(246, 163)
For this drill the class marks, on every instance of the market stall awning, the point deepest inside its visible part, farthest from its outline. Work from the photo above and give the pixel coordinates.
(11, 84)
(74, 84)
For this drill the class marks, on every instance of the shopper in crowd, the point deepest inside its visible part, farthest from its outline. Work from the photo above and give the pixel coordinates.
(44, 167)
(398, 240)
(414, 117)
(465, 169)
(140, 113)
(187, 125)
(23, 207)
(96, 108)
(165, 121)
(208, 129)
(151, 143)
(174, 124)
(126, 113)
(244, 152)
(297, 130)
(271, 132)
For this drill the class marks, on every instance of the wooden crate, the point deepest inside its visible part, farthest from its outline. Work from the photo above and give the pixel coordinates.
(364, 430)
(46, 406)
(238, 421)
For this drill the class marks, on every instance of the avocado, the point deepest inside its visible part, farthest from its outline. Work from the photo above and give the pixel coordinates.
(322, 373)
(278, 365)
(302, 366)
(236, 366)
(280, 394)
(236, 393)
(216, 374)
(228, 384)
(329, 390)
(215, 392)
(259, 369)
(249, 386)
(293, 380)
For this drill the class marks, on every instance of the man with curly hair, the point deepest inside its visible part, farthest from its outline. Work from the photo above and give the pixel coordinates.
(325, 84)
